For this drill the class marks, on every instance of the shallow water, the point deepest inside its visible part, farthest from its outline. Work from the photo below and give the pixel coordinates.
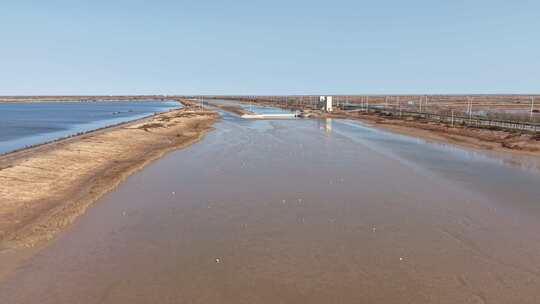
(252, 107)
(302, 211)
(26, 124)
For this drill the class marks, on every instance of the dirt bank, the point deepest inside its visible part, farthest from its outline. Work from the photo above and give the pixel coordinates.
(511, 141)
(43, 189)
(481, 138)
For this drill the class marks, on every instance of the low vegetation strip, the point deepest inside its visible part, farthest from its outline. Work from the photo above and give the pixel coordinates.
(43, 189)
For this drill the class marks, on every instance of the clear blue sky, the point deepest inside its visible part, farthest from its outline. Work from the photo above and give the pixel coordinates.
(269, 47)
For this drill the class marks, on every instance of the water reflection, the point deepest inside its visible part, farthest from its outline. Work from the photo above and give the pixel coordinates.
(325, 124)
(439, 149)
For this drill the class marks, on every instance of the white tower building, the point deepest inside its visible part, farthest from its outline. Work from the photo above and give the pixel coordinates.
(328, 106)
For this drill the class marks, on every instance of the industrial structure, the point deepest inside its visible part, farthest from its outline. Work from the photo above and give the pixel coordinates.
(326, 103)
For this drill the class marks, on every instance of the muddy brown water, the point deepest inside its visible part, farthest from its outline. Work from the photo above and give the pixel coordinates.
(302, 211)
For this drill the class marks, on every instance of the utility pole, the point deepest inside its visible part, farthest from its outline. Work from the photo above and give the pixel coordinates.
(399, 104)
(532, 107)
(367, 104)
(469, 107)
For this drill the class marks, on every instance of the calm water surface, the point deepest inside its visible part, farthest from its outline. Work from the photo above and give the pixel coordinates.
(302, 211)
(25, 124)
(252, 107)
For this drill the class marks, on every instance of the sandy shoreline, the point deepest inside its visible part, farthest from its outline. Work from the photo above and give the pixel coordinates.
(477, 138)
(45, 188)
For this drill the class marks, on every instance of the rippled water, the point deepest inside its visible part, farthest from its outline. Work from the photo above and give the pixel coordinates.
(302, 211)
(26, 124)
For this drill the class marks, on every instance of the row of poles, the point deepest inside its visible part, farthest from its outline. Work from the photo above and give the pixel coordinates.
(365, 101)
(423, 103)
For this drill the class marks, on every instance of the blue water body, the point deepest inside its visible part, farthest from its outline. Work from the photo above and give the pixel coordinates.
(26, 124)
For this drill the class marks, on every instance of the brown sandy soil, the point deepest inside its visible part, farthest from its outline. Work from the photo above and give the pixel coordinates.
(44, 189)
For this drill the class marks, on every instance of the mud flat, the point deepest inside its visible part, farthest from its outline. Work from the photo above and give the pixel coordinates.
(43, 189)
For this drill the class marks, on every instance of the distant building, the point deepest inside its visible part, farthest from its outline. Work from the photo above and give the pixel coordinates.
(329, 104)
(325, 103)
